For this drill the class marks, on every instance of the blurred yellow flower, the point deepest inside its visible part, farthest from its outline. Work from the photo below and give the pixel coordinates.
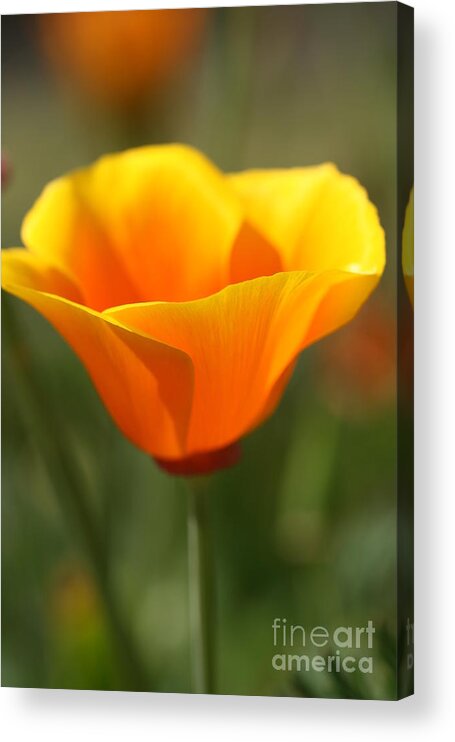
(408, 247)
(118, 57)
(188, 294)
(74, 599)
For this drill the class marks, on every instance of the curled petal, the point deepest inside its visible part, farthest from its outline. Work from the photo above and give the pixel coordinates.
(244, 340)
(146, 385)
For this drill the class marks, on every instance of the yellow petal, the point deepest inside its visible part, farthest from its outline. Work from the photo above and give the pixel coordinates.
(146, 385)
(20, 268)
(318, 218)
(155, 223)
(244, 340)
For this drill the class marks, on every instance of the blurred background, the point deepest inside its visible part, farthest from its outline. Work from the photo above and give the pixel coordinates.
(305, 525)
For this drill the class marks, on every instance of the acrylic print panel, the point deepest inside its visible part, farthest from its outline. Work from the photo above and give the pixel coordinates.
(207, 351)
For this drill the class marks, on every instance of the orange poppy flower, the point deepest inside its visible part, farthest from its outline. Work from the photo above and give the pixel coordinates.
(188, 294)
(118, 57)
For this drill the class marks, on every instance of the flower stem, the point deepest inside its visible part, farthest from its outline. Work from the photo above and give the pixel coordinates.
(201, 586)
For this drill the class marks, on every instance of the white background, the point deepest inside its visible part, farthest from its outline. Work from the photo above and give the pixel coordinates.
(53, 715)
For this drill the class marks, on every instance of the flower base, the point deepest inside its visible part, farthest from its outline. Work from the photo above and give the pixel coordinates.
(202, 463)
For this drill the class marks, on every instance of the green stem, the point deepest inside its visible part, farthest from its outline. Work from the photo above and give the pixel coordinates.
(68, 486)
(201, 586)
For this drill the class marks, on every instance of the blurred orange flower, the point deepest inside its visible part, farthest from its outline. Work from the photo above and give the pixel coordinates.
(357, 369)
(189, 294)
(118, 57)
